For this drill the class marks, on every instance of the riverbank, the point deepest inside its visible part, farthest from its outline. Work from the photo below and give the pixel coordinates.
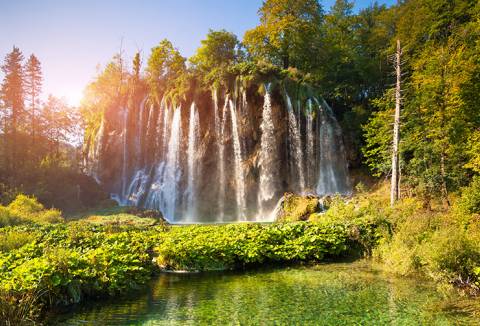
(46, 262)
(65, 263)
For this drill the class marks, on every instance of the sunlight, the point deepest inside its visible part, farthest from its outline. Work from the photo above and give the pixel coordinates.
(73, 97)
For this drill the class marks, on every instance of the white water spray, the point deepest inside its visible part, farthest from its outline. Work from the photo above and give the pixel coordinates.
(191, 191)
(239, 175)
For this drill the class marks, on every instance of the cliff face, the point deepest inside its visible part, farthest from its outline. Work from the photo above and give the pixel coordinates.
(219, 156)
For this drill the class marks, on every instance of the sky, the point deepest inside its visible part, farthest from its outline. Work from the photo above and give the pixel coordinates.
(72, 38)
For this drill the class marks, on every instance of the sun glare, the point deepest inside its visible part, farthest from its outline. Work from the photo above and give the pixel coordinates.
(73, 97)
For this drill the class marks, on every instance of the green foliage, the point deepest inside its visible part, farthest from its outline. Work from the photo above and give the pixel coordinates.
(241, 245)
(166, 72)
(473, 152)
(469, 203)
(440, 244)
(70, 262)
(215, 57)
(378, 136)
(7, 217)
(123, 219)
(439, 114)
(285, 32)
(26, 209)
(14, 238)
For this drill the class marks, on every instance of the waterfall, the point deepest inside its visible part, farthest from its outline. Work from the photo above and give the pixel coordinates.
(166, 119)
(247, 163)
(221, 157)
(164, 188)
(311, 159)
(267, 157)
(239, 175)
(295, 142)
(333, 176)
(190, 192)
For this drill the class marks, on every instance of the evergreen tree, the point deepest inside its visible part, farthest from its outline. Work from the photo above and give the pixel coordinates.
(12, 93)
(33, 88)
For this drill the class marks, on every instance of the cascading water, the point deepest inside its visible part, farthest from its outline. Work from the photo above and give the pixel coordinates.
(191, 191)
(267, 158)
(164, 190)
(295, 142)
(253, 154)
(332, 164)
(239, 175)
(222, 117)
(310, 159)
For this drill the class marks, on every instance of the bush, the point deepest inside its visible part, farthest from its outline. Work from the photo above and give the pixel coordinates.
(25, 205)
(27, 209)
(452, 256)
(469, 203)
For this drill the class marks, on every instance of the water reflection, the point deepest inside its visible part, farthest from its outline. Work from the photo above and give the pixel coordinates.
(331, 294)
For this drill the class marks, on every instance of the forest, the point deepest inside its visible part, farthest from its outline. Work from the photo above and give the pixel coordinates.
(54, 182)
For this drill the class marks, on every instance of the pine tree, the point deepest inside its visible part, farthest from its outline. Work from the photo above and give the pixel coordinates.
(13, 99)
(33, 88)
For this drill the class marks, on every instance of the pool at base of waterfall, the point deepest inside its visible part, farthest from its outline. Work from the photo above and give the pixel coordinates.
(326, 294)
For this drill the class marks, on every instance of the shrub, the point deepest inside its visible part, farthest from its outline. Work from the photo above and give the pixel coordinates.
(28, 209)
(25, 205)
(451, 256)
(469, 203)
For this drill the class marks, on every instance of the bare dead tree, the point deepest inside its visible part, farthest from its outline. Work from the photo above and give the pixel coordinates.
(395, 186)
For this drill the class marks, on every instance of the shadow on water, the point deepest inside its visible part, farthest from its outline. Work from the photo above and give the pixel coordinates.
(326, 294)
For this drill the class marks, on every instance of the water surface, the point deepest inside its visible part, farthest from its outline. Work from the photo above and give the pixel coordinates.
(327, 294)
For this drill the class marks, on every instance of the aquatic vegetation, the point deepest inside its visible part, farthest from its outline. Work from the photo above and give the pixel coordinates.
(69, 262)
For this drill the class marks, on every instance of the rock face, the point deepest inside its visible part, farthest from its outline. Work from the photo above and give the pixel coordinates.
(218, 156)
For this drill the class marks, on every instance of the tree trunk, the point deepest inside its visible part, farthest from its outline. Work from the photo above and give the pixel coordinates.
(395, 186)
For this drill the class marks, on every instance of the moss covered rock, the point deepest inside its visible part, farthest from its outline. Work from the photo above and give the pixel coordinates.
(297, 208)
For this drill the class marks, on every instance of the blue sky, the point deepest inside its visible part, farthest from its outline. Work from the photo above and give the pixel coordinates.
(72, 37)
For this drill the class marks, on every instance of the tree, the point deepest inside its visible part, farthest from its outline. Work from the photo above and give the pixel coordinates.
(165, 70)
(395, 187)
(137, 64)
(13, 98)
(33, 87)
(219, 51)
(58, 123)
(287, 32)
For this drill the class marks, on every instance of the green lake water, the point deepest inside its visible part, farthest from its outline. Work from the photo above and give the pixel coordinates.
(326, 294)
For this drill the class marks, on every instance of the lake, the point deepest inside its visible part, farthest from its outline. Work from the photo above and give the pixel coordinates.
(325, 294)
